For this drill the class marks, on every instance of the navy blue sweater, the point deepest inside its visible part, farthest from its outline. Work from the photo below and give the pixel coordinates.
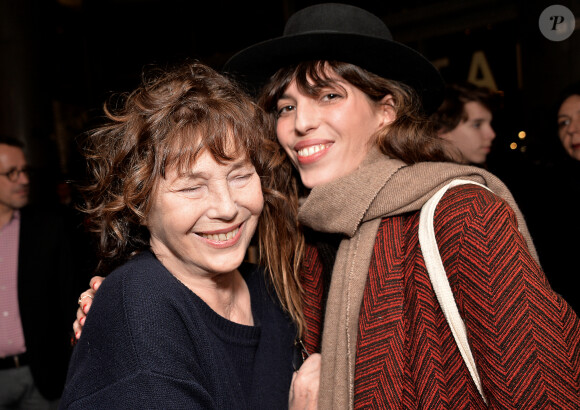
(149, 342)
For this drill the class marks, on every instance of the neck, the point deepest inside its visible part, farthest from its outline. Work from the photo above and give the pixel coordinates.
(5, 215)
(226, 294)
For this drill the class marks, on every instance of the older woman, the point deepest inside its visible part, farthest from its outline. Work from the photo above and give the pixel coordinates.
(181, 177)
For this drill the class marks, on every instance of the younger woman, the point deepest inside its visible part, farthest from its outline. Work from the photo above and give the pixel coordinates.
(349, 104)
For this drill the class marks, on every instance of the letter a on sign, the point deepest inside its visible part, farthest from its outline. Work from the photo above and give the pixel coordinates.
(480, 73)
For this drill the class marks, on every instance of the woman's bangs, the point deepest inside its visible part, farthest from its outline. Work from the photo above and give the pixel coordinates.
(225, 142)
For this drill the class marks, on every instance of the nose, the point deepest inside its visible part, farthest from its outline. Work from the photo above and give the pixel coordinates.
(490, 134)
(222, 204)
(23, 177)
(306, 118)
(574, 127)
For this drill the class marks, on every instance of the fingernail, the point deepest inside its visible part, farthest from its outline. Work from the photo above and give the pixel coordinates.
(78, 335)
(84, 308)
(82, 321)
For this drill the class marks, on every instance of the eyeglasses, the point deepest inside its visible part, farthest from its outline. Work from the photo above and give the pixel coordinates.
(14, 173)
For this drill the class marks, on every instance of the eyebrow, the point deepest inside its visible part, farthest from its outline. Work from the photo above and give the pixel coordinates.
(568, 115)
(479, 120)
(285, 97)
(235, 165)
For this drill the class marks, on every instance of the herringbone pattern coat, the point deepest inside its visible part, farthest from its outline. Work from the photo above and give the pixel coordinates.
(524, 337)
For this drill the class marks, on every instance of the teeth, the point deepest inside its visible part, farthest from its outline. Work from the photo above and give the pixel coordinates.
(306, 152)
(220, 237)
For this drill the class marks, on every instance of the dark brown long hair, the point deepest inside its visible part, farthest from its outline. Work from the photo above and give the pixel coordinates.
(169, 120)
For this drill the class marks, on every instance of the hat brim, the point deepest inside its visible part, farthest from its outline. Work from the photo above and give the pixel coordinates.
(388, 59)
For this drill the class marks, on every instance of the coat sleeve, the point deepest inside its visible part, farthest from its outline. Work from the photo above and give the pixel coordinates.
(524, 337)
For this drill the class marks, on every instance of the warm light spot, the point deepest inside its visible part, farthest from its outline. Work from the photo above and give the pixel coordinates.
(521, 135)
(513, 145)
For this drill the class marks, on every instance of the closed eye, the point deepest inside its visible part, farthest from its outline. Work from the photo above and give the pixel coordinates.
(241, 180)
(190, 189)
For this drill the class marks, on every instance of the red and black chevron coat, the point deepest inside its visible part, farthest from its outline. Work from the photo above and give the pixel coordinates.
(524, 337)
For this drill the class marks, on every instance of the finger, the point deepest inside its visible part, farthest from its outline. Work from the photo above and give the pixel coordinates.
(78, 323)
(77, 329)
(90, 294)
(80, 313)
(95, 282)
(85, 302)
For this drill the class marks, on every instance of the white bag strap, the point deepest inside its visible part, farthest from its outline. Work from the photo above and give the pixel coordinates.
(440, 281)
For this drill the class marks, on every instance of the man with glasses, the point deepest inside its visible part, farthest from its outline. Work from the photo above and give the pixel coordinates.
(37, 301)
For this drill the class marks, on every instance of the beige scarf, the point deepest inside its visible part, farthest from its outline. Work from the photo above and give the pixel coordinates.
(354, 206)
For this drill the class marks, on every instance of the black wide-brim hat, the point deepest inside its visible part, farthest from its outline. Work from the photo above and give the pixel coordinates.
(339, 32)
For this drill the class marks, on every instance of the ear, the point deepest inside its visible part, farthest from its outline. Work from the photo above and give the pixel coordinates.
(387, 110)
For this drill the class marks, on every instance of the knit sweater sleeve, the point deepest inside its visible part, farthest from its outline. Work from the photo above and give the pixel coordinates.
(146, 390)
(524, 337)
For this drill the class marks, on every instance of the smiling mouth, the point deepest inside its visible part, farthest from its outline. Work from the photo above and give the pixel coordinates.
(314, 149)
(221, 236)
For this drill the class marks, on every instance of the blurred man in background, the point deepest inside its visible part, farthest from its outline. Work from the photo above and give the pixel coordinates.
(39, 260)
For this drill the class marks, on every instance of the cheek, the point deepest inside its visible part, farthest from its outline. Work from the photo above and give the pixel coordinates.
(251, 197)
(563, 139)
(282, 131)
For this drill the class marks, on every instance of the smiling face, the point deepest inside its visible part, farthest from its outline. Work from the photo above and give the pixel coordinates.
(327, 136)
(569, 126)
(202, 221)
(473, 136)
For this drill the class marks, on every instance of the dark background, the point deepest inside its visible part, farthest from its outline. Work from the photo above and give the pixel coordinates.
(61, 59)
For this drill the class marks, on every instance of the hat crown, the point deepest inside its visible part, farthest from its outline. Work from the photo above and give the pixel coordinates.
(336, 18)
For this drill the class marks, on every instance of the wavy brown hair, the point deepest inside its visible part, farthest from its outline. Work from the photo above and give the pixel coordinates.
(169, 120)
(410, 138)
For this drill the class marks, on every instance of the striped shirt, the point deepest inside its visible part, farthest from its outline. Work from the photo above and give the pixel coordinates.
(11, 333)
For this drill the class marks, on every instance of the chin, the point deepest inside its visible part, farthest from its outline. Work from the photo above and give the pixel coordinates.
(228, 263)
(310, 181)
